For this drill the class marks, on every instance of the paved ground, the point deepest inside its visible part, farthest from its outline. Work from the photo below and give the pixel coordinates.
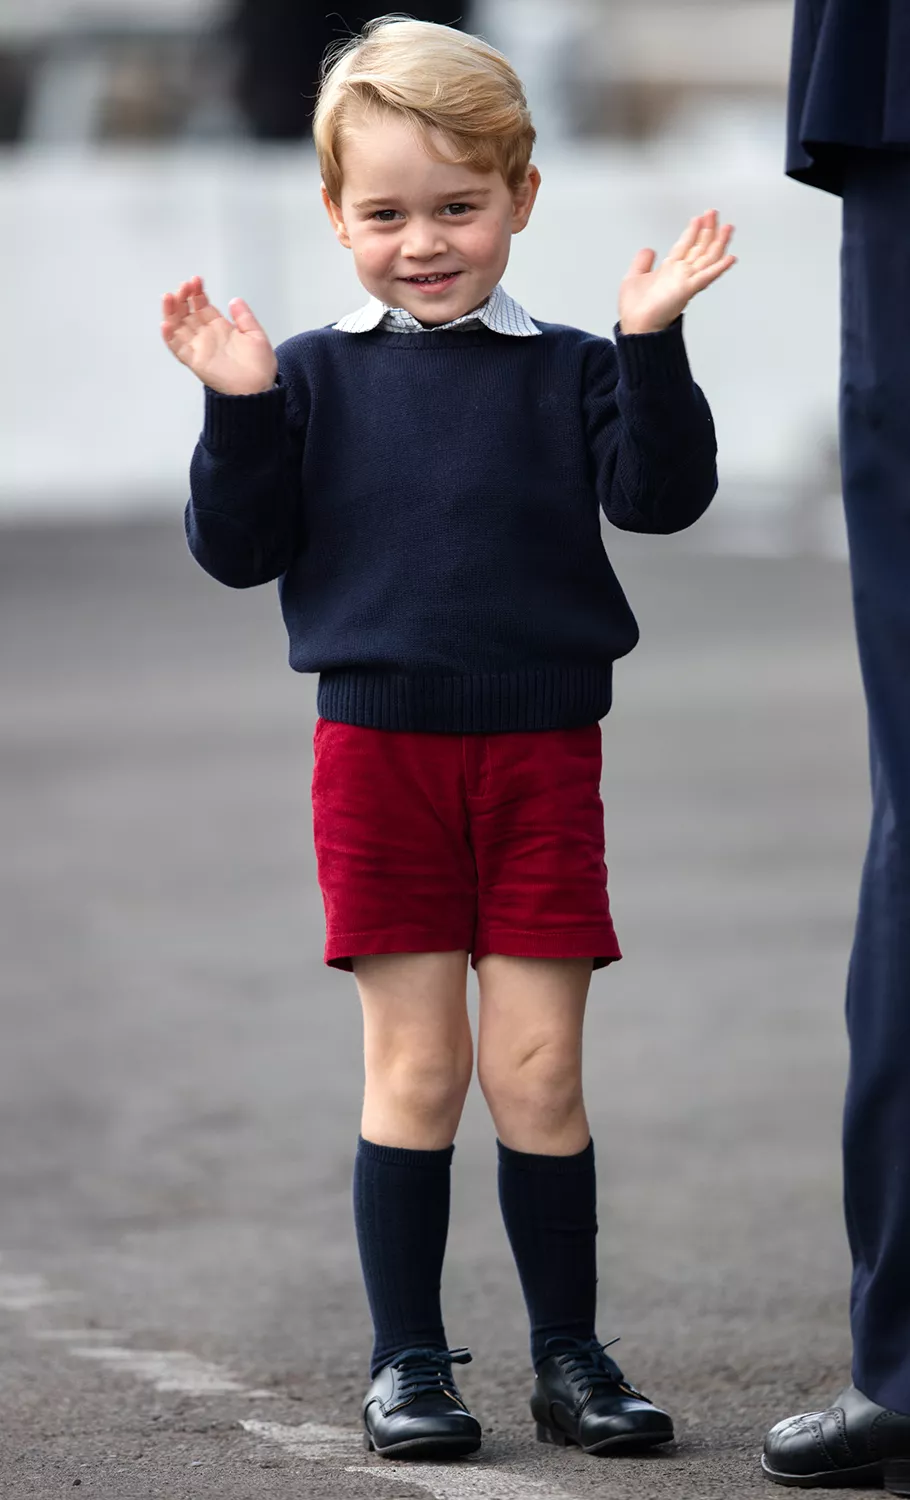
(179, 1075)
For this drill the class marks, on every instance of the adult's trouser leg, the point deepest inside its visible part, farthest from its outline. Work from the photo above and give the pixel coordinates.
(875, 442)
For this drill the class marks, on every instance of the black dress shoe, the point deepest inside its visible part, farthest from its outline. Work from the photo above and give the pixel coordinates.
(853, 1443)
(413, 1409)
(582, 1397)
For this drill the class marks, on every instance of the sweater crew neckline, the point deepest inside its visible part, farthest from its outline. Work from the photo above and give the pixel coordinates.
(434, 338)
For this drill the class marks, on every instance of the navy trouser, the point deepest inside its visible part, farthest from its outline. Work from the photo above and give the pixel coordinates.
(875, 445)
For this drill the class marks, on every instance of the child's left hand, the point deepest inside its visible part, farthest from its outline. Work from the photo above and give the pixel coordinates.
(650, 300)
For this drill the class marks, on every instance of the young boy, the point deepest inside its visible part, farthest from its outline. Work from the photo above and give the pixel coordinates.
(425, 480)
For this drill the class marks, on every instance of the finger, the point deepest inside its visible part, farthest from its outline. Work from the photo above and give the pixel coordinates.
(208, 314)
(188, 308)
(176, 338)
(723, 236)
(706, 233)
(717, 248)
(199, 311)
(189, 325)
(686, 240)
(171, 302)
(170, 312)
(244, 318)
(180, 300)
(185, 293)
(712, 273)
(643, 263)
(197, 295)
(177, 341)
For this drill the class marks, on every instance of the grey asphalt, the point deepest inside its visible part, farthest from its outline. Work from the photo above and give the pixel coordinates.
(179, 1075)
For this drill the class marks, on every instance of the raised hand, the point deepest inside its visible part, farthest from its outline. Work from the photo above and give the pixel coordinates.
(233, 358)
(651, 299)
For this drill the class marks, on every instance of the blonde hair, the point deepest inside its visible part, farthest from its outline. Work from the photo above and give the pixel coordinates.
(438, 79)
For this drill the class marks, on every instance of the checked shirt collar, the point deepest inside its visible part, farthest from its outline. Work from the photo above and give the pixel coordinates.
(500, 313)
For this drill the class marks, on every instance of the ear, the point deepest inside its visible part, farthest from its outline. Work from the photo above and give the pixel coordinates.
(523, 200)
(334, 212)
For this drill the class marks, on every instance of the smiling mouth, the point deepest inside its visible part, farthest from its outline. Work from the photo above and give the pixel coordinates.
(435, 280)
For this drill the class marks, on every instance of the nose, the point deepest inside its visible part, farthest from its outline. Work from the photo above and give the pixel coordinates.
(423, 240)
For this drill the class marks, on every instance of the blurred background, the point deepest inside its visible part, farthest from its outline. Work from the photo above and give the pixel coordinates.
(143, 140)
(179, 1075)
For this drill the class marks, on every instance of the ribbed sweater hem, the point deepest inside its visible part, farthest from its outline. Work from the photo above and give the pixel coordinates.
(478, 703)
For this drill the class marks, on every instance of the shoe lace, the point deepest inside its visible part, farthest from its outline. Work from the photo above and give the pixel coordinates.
(426, 1372)
(590, 1366)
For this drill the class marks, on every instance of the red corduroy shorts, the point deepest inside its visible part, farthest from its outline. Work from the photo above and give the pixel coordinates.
(492, 843)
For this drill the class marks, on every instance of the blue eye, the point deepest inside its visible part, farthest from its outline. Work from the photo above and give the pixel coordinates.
(386, 215)
(457, 210)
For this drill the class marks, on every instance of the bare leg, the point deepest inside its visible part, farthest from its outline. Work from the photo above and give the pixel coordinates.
(529, 1051)
(418, 1051)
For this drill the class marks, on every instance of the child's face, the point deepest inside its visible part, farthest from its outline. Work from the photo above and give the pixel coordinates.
(406, 216)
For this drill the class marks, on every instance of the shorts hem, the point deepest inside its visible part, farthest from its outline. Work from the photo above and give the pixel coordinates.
(596, 943)
(342, 949)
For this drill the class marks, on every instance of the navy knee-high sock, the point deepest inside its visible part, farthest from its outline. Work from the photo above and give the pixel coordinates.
(401, 1213)
(549, 1207)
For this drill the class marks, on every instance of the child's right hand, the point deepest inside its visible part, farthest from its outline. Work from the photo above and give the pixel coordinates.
(233, 358)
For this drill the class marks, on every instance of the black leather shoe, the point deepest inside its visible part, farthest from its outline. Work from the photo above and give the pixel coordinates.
(413, 1408)
(853, 1443)
(582, 1397)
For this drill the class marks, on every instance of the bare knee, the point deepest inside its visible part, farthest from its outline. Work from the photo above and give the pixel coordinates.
(415, 1087)
(534, 1093)
(419, 1085)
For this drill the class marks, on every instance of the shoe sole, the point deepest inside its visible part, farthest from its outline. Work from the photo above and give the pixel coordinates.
(893, 1477)
(624, 1443)
(441, 1447)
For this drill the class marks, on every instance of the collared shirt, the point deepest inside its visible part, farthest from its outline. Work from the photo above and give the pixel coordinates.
(500, 313)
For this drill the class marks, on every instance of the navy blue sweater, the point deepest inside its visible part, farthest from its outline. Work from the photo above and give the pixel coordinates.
(431, 502)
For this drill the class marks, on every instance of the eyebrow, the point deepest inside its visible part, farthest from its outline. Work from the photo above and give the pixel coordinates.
(455, 197)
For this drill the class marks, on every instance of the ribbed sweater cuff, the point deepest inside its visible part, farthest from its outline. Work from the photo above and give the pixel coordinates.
(234, 421)
(399, 1156)
(526, 1161)
(654, 359)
